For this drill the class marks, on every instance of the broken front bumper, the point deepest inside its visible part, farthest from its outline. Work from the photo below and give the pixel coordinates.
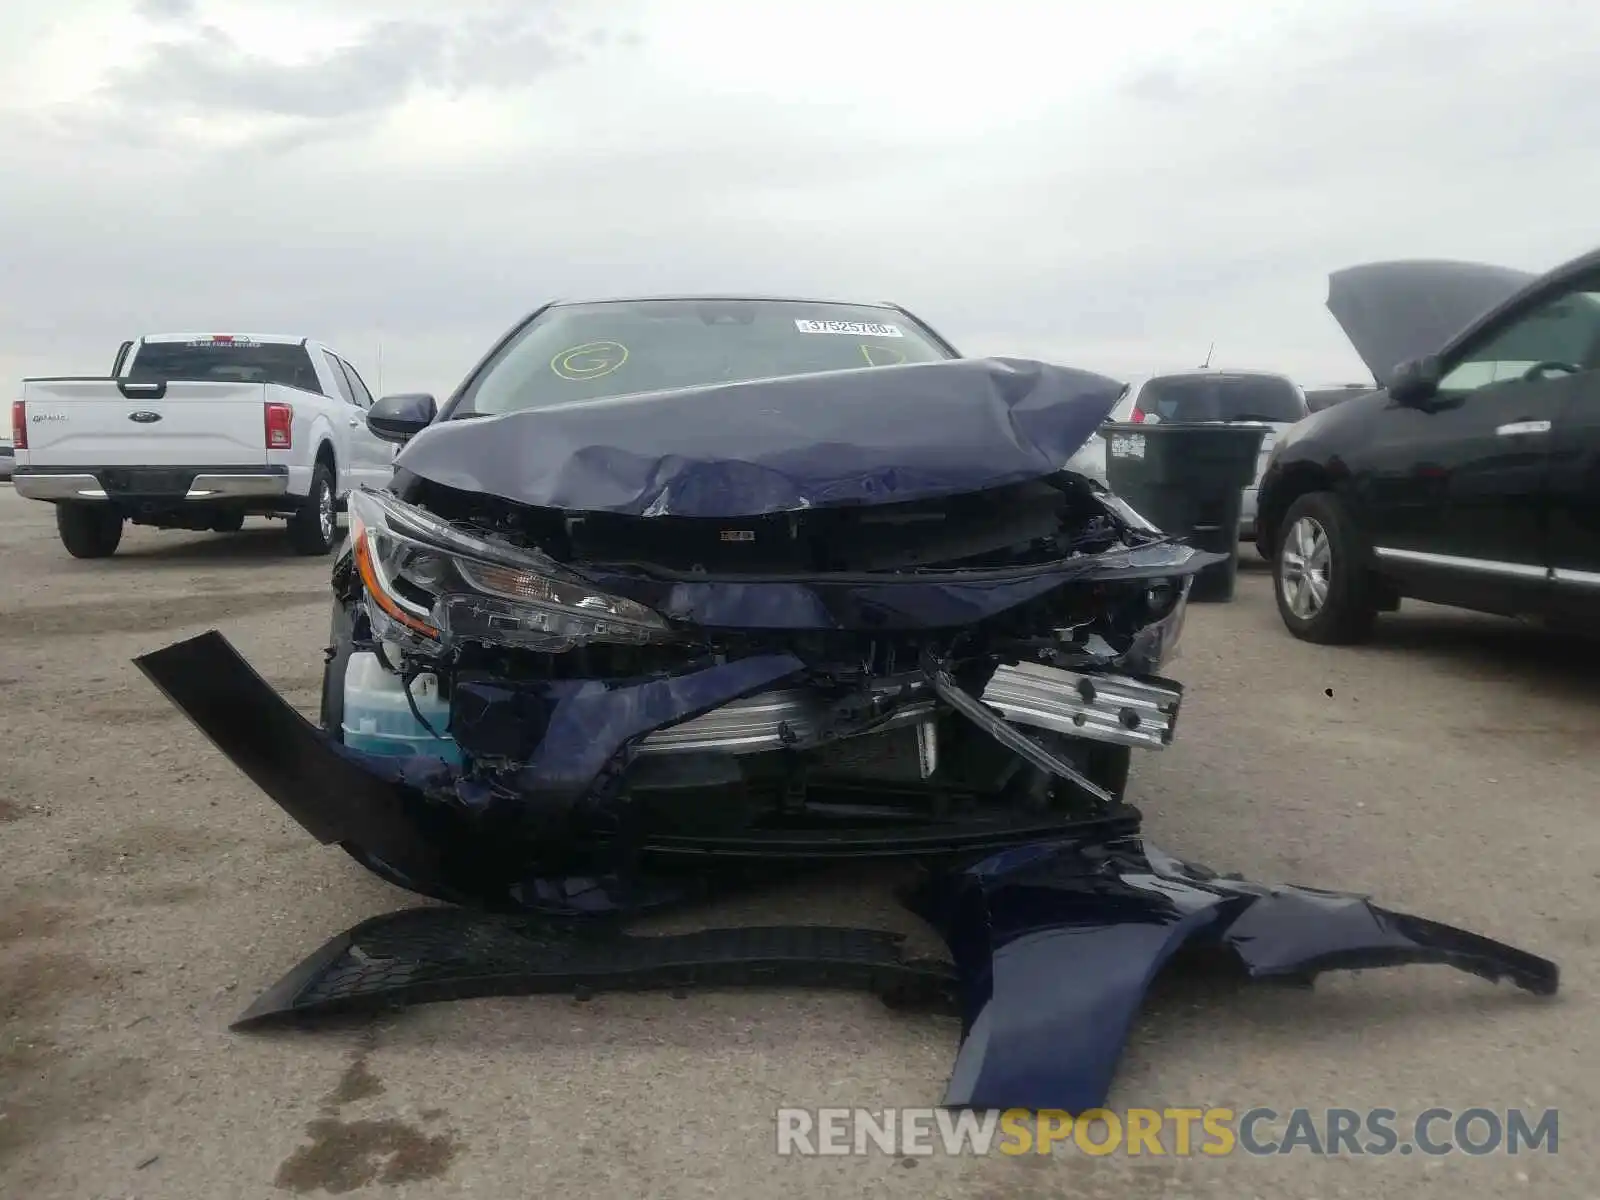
(1104, 708)
(443, 834)
(1053, 947)
(1053, 939)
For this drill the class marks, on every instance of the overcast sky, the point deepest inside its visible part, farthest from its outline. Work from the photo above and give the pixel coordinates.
(1112, 186)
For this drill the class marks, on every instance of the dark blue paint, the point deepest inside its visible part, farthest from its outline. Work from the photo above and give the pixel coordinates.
(1057, 945)
(564, 733)
(878, 435)
(401, 417)
(551, 753)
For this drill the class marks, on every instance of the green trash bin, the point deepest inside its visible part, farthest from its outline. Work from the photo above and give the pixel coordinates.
(1188, 478)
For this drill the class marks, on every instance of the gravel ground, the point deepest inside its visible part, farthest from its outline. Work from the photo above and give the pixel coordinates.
(148, 892)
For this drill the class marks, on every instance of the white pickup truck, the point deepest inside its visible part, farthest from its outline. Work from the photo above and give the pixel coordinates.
(196, 431)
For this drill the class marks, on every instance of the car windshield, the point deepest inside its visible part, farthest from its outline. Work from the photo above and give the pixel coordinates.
(236, 360)
(585, 351)
(1566, 330)
(1221, 398)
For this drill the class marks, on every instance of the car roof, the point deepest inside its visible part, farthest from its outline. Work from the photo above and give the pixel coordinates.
(278, 339)
(1218, 373)
(716, 297)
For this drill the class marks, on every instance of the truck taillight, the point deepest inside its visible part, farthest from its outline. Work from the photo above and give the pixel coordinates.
(1138, 416)
(19, 424)
(280, 426)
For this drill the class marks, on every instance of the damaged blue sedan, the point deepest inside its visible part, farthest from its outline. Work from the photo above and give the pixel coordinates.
(751, 575)
(680, 590)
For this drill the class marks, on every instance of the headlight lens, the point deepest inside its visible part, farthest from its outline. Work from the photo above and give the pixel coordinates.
(427, 579)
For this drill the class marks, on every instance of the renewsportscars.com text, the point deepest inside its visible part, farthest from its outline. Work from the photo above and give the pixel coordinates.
(1175, 1132)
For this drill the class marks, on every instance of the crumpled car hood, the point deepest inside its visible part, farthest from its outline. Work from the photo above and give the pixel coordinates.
(878, 435)
(1394, 311)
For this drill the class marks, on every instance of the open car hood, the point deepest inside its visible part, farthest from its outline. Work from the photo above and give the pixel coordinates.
(1394, 311)
(878, 435)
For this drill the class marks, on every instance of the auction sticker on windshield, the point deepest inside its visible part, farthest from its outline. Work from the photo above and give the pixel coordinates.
(852, 328)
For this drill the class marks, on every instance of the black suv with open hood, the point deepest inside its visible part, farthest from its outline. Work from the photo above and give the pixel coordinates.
(1471, 476)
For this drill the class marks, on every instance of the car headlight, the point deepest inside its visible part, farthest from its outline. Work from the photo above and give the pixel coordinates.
(439, 583)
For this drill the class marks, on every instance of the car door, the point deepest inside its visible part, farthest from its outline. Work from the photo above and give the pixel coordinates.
(1459, 496)
(372, 457)
(1574, 489)
(329, 407)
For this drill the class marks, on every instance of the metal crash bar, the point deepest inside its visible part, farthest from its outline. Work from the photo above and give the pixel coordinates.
(1101, 708)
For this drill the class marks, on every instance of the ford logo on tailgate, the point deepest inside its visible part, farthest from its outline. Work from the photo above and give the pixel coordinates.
(144, 416)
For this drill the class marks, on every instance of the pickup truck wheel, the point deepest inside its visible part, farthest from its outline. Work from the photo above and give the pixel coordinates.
(228, 523)
(312, 527)
(89, 530)
(1323, 588)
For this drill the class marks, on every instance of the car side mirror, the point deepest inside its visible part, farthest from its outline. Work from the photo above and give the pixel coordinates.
(401, 417)
(1416, 380)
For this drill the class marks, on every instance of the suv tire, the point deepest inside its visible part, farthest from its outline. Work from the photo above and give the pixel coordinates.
(1320, 576)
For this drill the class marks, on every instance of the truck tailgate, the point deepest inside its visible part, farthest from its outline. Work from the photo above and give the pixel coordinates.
(94, 423)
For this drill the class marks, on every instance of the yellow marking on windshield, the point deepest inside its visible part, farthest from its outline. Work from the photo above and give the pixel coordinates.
(882, 356)
(592, 360)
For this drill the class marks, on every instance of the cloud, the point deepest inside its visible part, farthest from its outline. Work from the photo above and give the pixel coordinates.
(209, 80)
(1112, 186)
(1165, 84)
(210, 73)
